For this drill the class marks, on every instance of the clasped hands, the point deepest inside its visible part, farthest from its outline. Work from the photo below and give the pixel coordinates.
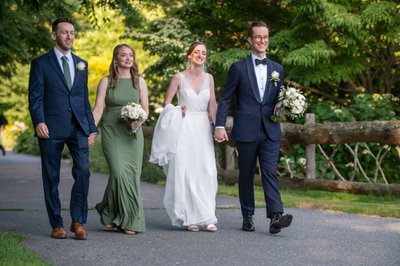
(220, 135)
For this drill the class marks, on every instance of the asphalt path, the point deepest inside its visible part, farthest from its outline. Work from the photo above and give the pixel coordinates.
(314, 238)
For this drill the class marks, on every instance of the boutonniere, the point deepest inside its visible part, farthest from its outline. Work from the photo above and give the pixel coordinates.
(80, 66)
(275, 77)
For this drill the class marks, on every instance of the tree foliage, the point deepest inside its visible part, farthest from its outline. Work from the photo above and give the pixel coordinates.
(24, 30)
(93, 42)
(161, 37)
(335, 46)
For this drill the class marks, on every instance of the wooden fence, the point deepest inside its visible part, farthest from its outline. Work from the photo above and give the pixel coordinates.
(313, 135)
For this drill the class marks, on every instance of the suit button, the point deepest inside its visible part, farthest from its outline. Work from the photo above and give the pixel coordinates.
(69, 109)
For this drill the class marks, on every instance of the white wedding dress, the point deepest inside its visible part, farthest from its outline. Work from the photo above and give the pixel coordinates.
(188, 159)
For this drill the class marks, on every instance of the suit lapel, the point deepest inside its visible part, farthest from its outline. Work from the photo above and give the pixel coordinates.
(76, 61)
(54, 63)
(252, 78)
(269, 86)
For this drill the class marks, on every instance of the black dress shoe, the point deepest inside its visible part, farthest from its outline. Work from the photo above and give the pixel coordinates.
(248, 224)
(279, 221)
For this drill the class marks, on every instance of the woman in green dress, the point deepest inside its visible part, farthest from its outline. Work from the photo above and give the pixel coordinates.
(122, 206)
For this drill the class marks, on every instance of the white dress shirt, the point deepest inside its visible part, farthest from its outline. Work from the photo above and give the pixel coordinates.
(261, 75)
(70, 63)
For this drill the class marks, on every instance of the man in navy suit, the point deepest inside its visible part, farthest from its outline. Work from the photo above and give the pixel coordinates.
(255, 82)
(61, 114)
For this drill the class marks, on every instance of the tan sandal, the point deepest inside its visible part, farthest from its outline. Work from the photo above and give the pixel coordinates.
(193, 228)
(210, 228)
(110, 226)
(129, 232)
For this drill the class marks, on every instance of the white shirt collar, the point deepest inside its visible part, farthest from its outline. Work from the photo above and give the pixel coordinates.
(59, 55)
(253, 57)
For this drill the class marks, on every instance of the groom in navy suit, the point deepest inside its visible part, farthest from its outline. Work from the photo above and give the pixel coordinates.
(255, 82)
(61, 115)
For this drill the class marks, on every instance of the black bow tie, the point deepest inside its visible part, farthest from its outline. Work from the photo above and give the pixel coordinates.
(262, 61)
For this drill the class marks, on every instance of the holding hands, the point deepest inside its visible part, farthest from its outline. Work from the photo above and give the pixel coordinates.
(91, 139)
(220, 135)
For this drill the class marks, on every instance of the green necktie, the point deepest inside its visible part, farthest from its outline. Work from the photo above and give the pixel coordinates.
(67, 73)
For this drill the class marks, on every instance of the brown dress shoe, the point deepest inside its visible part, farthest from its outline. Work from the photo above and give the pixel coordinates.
(58, 233)
(80, 232)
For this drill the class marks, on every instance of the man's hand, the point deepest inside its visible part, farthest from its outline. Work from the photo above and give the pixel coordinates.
(220, 135)
(91, 138)
(42, 131)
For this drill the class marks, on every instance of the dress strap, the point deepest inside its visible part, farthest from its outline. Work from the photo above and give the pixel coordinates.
(181, 80)
(137, 85)
(207, 81)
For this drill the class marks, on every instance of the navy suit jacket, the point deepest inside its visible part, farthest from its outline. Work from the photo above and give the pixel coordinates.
(251, 112)
(50, 100)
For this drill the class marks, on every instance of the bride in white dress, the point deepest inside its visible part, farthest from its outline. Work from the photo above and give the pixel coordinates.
(183, 145)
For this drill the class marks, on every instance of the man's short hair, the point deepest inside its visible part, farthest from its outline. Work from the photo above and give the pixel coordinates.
(255, 24)
(60, 20)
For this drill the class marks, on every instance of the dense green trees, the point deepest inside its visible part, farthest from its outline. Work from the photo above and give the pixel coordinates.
(332, 47)
(94, 41)
(24, 33)
(24, 30)
(329, 47)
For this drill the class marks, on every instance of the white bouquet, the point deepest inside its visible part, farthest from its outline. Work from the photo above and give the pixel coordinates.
(291, 103)
(133, 112)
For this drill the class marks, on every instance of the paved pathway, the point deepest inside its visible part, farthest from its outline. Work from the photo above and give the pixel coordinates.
(315, 237)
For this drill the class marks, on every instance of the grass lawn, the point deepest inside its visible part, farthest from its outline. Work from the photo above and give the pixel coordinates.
(385, 206)
(12, 252)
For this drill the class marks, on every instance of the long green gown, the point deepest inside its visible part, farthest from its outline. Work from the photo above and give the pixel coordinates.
(122, 203)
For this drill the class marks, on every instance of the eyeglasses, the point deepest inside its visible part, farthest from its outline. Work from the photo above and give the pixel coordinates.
(260, 38)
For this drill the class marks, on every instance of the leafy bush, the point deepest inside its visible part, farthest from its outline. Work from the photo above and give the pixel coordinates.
(27, 143)
(152, 173)
(97, 160)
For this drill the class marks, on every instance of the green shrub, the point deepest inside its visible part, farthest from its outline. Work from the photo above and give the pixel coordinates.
(97, 160)
(152, 173)
(27, 143)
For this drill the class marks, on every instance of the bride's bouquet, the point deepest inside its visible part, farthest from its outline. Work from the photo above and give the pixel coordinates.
(291, 103)
(133, 112)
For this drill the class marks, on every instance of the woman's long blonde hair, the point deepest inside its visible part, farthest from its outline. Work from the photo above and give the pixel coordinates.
(113, 71)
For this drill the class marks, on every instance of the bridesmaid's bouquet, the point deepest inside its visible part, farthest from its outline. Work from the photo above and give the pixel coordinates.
(133, 112)
(291, 103)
